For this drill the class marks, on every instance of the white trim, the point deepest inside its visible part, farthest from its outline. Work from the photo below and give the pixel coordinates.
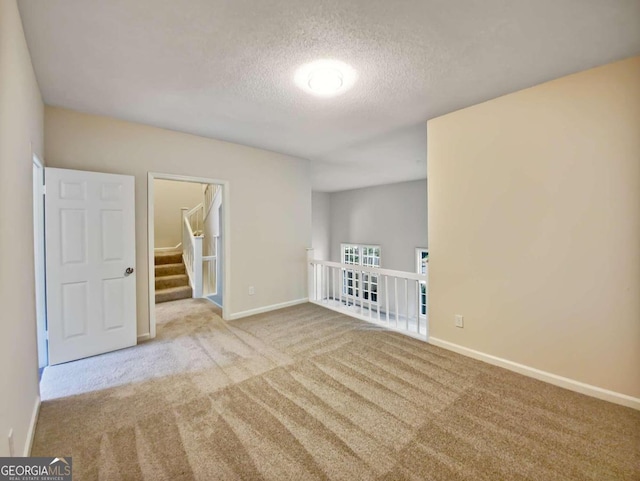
(226, 197)
(376, 271)
(144, 337)
(168, 249)
(32, 428)
(260, 310)
(37, 161)
(208, 298)
(39, 255)
(360, 246)
(419, 251)
(564, 382)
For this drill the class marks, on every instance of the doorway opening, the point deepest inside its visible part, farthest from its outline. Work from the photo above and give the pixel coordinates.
(188, 240)
(39, 263)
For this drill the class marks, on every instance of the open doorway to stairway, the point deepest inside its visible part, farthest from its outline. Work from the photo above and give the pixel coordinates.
(188, 219)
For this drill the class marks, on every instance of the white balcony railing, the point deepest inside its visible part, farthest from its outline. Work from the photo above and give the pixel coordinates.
(397, 300)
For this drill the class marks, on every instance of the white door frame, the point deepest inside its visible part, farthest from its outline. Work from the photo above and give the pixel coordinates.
(226, 197)
(39, 261)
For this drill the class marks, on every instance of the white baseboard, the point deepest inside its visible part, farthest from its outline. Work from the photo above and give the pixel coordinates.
(32, 428)
(564, 382)
(260, 310)
(167, 249)
(144, 337)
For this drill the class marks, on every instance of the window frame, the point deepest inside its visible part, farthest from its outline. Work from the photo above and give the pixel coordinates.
(423, 286)
(363, 286)
(419, 258)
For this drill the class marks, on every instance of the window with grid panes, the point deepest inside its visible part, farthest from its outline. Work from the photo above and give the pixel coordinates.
(422, 259)
(355, 284)
(350, 255)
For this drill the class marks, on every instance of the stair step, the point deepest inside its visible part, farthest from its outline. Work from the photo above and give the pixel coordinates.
(173, 294)
(176, 280)
(170, 269)
(170, 257)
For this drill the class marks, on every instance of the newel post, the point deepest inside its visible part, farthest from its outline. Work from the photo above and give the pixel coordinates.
(197, 266)
(311, 291)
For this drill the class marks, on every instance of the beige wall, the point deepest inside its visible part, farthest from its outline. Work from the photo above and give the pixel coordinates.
(534, 227)
(270, 206)
(168, 198)
(21, 129)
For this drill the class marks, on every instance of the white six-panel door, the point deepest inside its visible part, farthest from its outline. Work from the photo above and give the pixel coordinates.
(90, 245)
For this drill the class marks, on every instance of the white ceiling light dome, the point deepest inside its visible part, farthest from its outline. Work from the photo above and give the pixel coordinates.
(325, 78)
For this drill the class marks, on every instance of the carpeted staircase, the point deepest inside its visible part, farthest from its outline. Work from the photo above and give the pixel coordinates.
(172, 282)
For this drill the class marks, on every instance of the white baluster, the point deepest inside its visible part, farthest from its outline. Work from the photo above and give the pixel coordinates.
(310, 275)
(333, 280)
(406, 292)
(395, 282)
(369, 278)
(386, 294)
(378, 297)
(326, 280)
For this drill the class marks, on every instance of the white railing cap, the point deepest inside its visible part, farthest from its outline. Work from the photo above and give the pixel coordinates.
(373, 270)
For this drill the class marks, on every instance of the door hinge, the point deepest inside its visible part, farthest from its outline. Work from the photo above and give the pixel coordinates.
(44, 190)
(46, 334)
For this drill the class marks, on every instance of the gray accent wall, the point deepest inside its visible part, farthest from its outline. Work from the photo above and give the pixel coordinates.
(393, 216)
(321, 221)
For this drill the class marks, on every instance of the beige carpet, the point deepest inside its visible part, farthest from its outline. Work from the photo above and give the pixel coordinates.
(305, 393)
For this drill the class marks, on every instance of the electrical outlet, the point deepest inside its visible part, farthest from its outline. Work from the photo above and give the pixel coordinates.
(12, 450)
(252, 290)
(459, 320)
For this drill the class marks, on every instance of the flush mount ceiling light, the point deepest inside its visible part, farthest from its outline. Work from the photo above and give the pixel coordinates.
(325, 78)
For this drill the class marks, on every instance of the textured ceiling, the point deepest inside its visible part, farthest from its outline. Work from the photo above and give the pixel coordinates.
(224, 69)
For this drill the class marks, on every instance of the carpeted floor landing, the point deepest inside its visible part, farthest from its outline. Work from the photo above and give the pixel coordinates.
(305, 393)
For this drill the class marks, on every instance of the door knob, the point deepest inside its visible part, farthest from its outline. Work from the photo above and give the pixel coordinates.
(128, 271)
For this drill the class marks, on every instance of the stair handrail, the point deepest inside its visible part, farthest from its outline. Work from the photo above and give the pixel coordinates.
(196, 218)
